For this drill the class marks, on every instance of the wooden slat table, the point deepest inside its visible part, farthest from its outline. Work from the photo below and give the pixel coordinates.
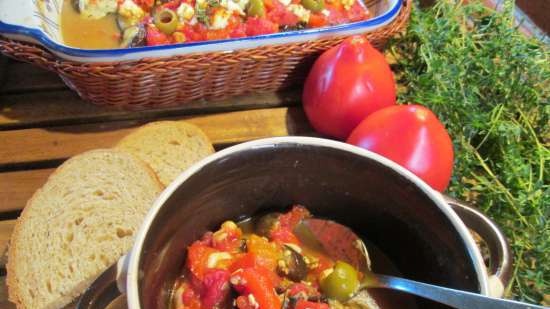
(42, 123)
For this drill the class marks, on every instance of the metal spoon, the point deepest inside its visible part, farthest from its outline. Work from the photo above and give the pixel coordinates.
(340, 243)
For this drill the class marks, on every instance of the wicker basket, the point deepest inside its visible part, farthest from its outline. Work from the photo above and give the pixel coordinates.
(157, 82)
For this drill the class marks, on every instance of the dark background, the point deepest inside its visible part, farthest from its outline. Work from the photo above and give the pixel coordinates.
(538, 11)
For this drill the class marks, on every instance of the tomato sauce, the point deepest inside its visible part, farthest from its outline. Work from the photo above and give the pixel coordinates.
(261, 264)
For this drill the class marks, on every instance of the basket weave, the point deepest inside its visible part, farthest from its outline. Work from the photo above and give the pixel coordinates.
(158, 82)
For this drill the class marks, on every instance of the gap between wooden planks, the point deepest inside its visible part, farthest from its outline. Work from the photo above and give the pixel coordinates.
(29, 146)
(64, 107)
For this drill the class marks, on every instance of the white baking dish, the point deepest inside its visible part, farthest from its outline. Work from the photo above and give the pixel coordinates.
(37, 21)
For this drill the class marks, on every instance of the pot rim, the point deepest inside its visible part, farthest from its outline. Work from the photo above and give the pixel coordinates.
(134, 258)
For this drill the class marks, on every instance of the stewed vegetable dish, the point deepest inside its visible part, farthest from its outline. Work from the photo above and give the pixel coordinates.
(132, 23)
(262, 264)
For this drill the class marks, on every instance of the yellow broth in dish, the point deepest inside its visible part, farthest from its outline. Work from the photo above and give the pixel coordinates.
(102, 33)
(133, 23)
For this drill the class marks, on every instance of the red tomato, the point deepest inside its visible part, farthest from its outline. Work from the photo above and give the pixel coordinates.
(317, 20)
(280, 15)
(251, 260)
(216, 288)
(195, 33)
(347, 83)
(156, 37)
(258, 26)
(197, 259)
(256, 281)
(412, 136)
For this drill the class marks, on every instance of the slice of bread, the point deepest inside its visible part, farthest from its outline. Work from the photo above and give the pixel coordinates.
(79, 223)
(169, 147)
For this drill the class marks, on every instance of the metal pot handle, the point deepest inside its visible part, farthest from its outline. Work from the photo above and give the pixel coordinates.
(106, 288)
(500, 269)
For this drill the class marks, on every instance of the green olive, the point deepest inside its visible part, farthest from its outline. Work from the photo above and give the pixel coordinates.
(314, 5)
(341, 283)
(166, 21)
(255, 8)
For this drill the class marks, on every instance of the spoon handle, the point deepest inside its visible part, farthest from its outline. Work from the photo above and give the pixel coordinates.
(454, 298)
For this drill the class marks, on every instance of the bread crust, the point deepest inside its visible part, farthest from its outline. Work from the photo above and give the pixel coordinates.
(12, 282)
(156, 134)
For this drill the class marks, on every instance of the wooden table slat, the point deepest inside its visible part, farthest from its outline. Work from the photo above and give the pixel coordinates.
(17, 187)
(6, 228)
(57, 143)
(64, 107)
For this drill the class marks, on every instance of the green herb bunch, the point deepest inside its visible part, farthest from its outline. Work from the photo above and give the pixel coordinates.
(490, 85)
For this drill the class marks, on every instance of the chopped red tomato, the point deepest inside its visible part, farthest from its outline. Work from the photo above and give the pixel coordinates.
(146, 5)
(279, 14)
(195, 33)
(284, 235)
(287, 222)
(294, 216)
(256, 282)
(250, 260)
(197, 259)
(247, 260)
(302, 289)
(357, 12)
(258, 26)
(215, 288)
(156, 37)
(337, 13)
(227, 238)
(172, 5)
(239, 31)
(317, 20)
(189, 297)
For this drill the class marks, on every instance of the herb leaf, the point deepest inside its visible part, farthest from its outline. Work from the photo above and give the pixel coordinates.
(490, 85)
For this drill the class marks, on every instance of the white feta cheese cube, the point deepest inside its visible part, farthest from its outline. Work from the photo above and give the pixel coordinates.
(285, 2)
(347, 3)
(220, 20)
(185, 12)
(96, 9)
(130, 12)
(300, 11)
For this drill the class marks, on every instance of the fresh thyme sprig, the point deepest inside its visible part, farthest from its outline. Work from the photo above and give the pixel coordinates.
(490, 85)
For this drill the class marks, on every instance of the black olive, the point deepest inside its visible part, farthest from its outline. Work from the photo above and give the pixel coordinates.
(298, 26)
(265, 224)
(76, 5)
(243, 247)
(133, 36)
(293, 266)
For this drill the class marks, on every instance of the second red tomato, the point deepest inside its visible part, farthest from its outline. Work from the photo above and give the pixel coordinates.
(413, 137)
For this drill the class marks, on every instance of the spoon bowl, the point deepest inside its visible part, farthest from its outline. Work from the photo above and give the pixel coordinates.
(342, 244)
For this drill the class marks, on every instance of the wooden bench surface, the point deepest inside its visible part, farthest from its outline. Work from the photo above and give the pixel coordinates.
(42, 123)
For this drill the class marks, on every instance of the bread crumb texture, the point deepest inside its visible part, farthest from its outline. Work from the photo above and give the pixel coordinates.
(78, 224)
(169, 147)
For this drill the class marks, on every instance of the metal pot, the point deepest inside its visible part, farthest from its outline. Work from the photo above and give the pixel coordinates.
(423, 233)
